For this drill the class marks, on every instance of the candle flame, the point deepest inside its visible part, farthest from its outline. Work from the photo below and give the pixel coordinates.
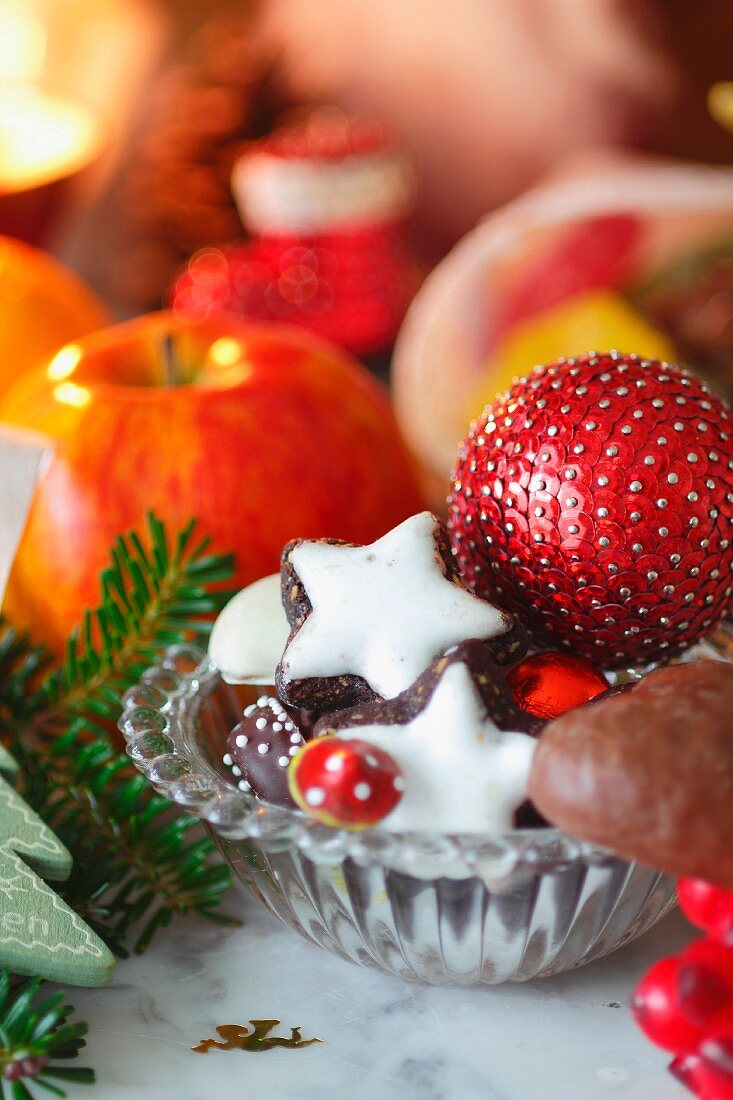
(42, 137)
(22, 41)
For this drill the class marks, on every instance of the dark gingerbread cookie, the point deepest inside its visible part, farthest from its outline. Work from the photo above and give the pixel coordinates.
(259, 750)
(648, 773)
(487, 678)
(368, 620)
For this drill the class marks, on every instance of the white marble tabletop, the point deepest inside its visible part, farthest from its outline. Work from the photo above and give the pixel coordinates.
(565, 1038)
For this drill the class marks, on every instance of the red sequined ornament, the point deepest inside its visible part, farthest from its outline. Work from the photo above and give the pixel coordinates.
(596, 501)
(325, 200)
(550, 684)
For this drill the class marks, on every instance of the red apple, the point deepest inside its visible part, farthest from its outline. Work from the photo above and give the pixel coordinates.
(262, 432)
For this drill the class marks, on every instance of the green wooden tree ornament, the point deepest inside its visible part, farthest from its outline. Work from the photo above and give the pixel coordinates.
(39, 933)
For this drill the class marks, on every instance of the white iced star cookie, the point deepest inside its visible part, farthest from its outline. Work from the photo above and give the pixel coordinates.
(462, 774)
(368, 620)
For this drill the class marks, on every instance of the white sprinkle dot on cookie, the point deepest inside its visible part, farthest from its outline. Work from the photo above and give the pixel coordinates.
(261, 723)
(362, 791)
(283, 761)
(314, 796)
(262, 748)
(227, 759)
(243, 785)
(276, 727)
(263, 701)
(294, 751)
(236, 770)
(241, 740)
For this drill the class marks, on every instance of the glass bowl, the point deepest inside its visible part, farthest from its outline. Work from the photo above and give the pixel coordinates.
(433, 908)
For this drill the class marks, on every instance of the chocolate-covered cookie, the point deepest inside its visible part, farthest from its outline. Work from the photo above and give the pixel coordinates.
(649, 772)
(368, 620)
(259, 750)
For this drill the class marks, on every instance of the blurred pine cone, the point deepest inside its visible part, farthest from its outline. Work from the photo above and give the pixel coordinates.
(174, 194)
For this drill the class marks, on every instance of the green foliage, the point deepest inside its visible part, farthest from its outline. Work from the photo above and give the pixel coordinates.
(150, 598)
(136, 860)
(34, 1035)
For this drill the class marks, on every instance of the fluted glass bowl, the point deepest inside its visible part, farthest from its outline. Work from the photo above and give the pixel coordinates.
(433, 908)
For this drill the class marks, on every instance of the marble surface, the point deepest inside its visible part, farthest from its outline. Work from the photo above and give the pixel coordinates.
(565, 1038)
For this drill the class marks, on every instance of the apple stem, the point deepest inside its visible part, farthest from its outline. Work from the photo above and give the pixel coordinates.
(170, 372)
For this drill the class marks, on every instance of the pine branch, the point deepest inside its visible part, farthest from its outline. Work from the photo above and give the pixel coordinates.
(34, 1033)
(150, 599)
(136, 861)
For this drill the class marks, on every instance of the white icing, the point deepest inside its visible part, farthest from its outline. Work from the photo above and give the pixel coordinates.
(249, 635)
(382, 611)
(461, 773)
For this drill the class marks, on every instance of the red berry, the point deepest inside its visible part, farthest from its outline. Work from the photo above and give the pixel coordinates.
(709, 907)
(656, 1008)
(345, 783)
(549, 684)
(687, 1070)
(705, 983)
(596, 501)
(716, 1068)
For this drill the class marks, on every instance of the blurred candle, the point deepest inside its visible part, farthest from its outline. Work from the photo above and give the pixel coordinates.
(71, 74)
(45, 140)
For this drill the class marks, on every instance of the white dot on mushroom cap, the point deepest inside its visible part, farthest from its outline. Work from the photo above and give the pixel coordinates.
(227, 759)
(262, 748)
(334, 763)
(283, 761)
(362, 791)
(371, 761)
(314, 796)
(241, 740)
(399, 783)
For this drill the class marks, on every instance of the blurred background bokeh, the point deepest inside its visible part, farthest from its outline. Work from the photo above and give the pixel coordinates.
(488, 96)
